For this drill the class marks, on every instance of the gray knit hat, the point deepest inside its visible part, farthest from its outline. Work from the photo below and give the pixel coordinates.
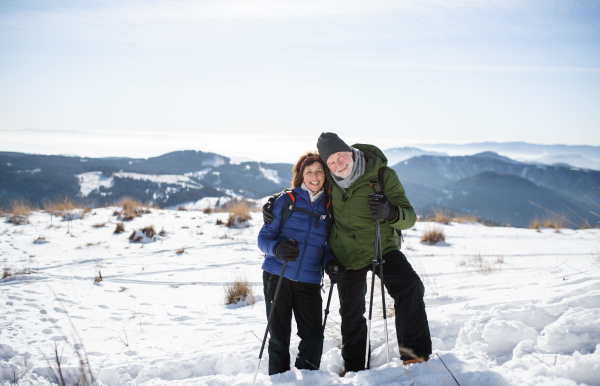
(330, 143)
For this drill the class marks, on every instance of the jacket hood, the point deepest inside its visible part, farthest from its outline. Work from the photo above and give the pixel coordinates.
(371, 152)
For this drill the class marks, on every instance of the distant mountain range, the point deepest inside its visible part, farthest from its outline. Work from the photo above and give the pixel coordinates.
(499, 189)
(487, 185)
(587, 157)
(168, 180)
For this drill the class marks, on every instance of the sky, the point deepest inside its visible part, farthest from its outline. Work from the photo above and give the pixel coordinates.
(262, 79)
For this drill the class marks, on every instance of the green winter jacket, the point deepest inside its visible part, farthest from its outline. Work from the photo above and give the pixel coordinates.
(353, 232)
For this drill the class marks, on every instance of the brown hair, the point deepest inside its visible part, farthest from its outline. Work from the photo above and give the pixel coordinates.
(298, 178)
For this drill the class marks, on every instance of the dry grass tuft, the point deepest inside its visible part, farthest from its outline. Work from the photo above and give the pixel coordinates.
(440, 216)
(99, 225)
(19, 212)
(207, 210)
(239, 290)
(465, 218)
(483, 265)
(6, 272)
(239, 213)
(120, 228)
(180, 251)
(62, 208)
(131, 209)
(433, 236)
(550, 221)
(138, 235)
(40, 240)
(98, 277)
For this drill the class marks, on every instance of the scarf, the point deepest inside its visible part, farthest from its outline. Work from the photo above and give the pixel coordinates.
(358, 169)
(313, 197)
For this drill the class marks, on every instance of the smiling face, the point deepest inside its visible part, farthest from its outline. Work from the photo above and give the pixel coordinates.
(340, 163)
(314, 177)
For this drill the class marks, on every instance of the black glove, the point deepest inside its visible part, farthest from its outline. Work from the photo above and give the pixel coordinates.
(287, 250)
(335, 270)
(267, 210)
(382, 209)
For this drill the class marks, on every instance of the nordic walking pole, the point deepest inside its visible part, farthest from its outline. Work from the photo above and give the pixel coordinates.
(327, 307)
(274, 303)
(381, 261)
(375, 262)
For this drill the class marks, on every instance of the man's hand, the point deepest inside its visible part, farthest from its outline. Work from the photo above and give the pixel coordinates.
(287, 250)
(267, 210)
(381, 207)
(335, 270)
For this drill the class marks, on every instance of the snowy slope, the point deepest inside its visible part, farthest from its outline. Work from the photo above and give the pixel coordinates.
(506, 306)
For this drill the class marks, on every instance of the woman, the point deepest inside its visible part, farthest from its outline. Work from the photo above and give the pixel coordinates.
(302, 242)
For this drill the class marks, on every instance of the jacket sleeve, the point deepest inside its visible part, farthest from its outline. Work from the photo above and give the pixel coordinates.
(394, 191)
(267, 237)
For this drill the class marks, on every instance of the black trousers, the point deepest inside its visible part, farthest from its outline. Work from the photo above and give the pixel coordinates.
(304, 300)
(406, 288)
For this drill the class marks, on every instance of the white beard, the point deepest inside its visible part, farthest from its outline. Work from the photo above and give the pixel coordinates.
(347, 170)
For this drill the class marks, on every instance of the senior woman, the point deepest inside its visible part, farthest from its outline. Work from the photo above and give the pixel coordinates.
(302, 241)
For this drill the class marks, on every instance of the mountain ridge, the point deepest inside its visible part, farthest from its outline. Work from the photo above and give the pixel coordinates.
(187, 176)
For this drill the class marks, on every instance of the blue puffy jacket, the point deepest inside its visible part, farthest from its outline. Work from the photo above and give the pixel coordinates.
(312, 239)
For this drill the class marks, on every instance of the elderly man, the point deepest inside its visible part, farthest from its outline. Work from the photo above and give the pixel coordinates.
(357, 172)
(354, 173)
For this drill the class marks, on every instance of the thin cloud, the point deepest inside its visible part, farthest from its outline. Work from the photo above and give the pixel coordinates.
(472, 68)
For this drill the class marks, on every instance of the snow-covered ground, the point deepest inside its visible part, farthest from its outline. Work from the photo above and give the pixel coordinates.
(506, 306)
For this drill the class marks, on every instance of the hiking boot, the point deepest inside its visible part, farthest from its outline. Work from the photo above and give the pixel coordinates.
(343, 374)
(416, 360)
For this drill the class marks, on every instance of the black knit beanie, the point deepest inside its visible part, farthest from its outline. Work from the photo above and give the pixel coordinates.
(330, 143)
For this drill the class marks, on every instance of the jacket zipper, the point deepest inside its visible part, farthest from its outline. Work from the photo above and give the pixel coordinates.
(301, 259)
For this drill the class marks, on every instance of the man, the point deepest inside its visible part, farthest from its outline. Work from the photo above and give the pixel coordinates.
(354, 172)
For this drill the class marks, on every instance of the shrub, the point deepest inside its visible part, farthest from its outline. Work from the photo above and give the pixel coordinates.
(239, 291)
(432, 236)
(207, 210)
(99, 225)
(239, 213)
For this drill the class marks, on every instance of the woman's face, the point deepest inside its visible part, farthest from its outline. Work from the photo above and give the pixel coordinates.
(313, 177)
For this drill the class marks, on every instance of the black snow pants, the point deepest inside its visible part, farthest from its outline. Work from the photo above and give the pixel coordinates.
(406, 288)
(304, 300)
